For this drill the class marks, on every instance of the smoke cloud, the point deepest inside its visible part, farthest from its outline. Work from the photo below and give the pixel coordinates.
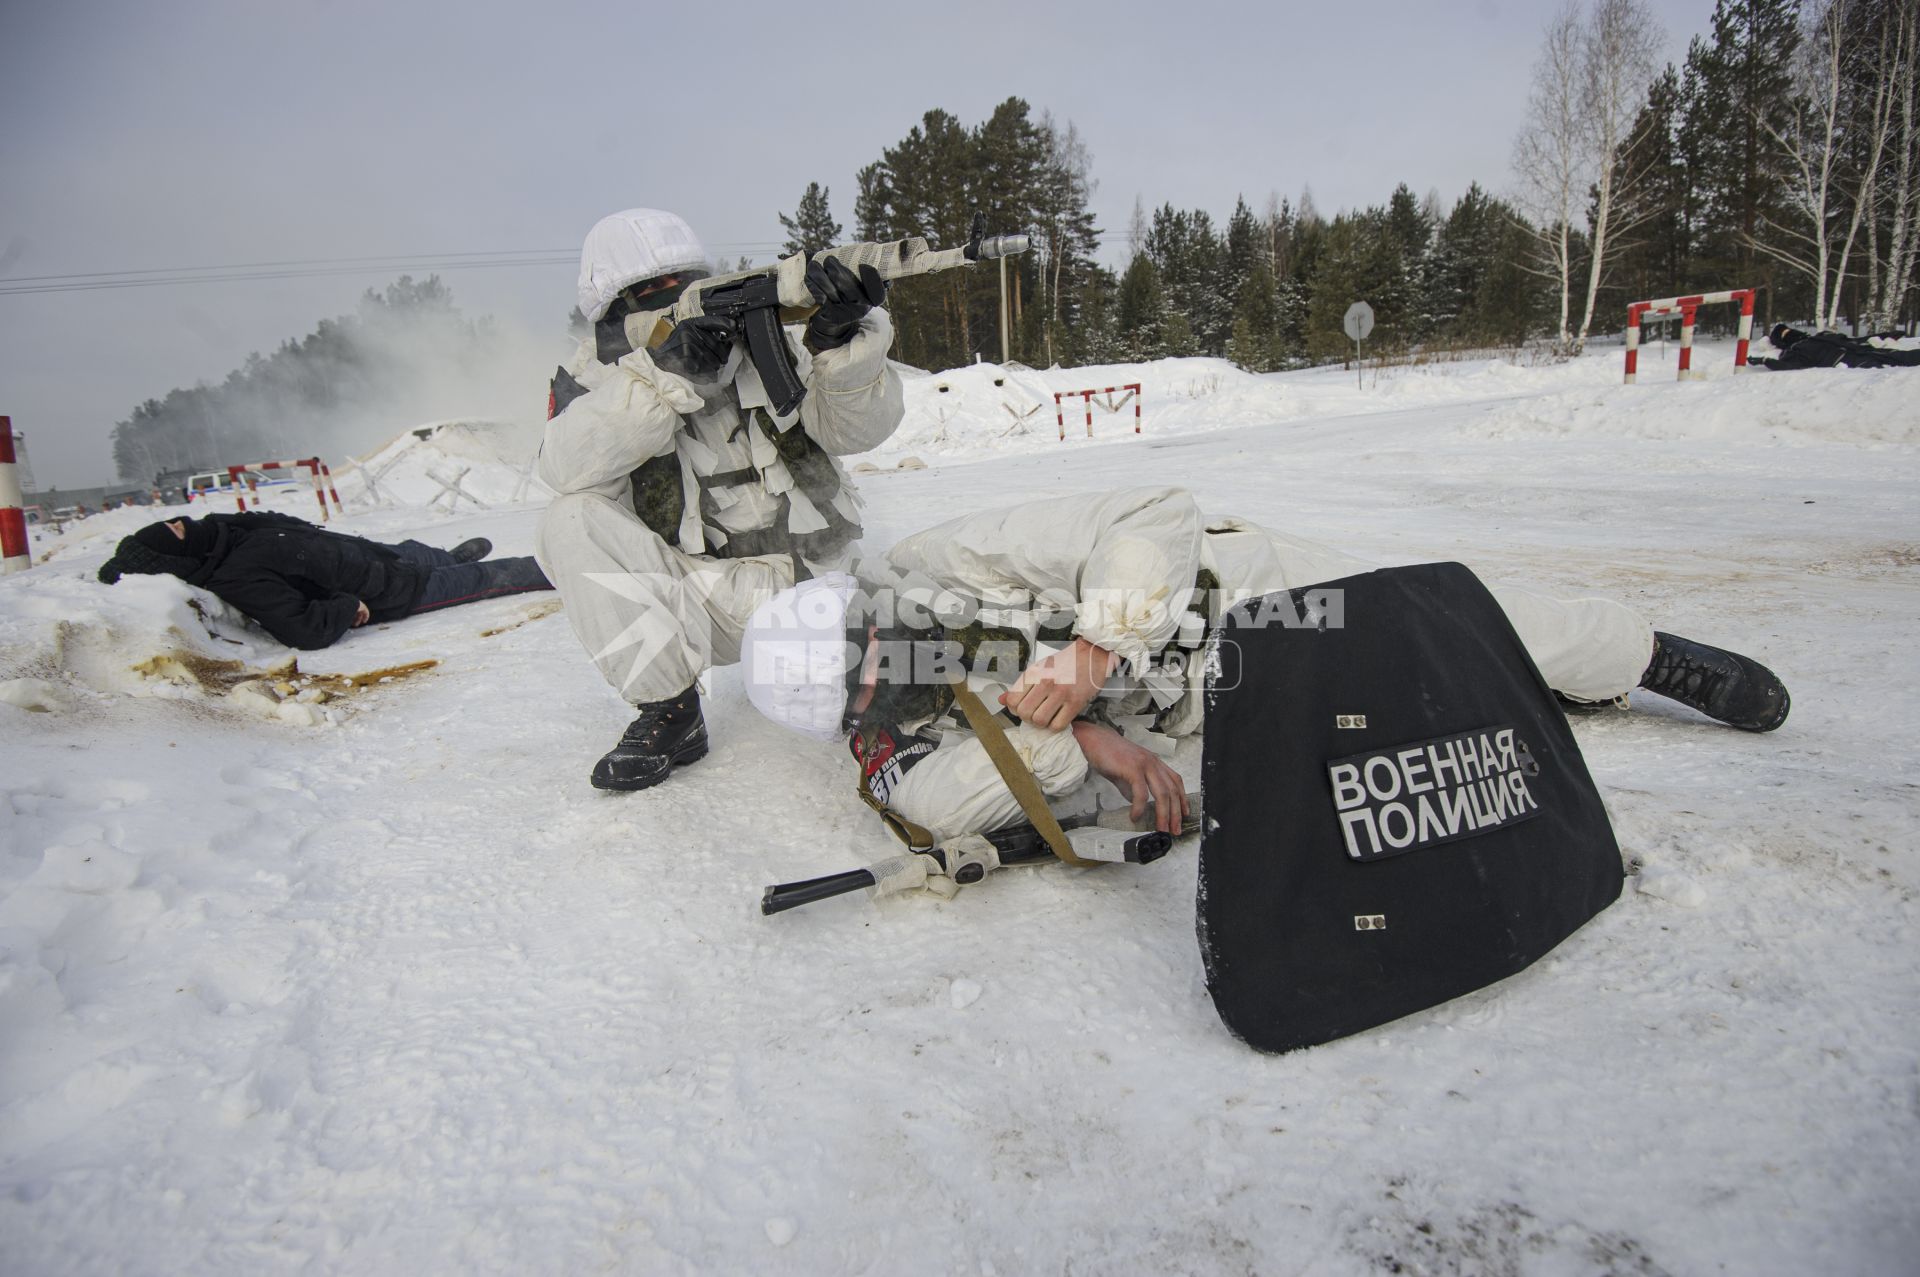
(406, 358)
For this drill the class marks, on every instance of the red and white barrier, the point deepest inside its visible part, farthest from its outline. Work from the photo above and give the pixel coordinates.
(316, 469)
(1686, 307)
(1111, 405)
(16, 553)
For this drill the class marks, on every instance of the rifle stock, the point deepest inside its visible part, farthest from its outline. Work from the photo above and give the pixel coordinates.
(1105, 835)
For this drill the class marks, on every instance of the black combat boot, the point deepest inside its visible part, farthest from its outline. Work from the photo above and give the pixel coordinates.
(471, 551)
(665, 733)
(1739, 692)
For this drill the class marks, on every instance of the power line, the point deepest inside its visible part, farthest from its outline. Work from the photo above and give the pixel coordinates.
(304, 268)
(297, 261)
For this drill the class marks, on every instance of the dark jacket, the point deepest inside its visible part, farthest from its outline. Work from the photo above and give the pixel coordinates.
(300, 584)
(1799, 350)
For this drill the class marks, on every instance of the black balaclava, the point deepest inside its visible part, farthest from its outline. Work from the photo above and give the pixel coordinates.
(610, 330)
(154, 550)
(201, 536)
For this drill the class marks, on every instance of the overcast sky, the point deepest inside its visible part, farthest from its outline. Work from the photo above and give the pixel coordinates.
(147, 136)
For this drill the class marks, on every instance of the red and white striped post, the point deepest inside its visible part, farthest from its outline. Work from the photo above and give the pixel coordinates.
(1634, 312)
(16, 553)
(1086, 397)
(317, 472)
(1688, 308)
(1746, 327)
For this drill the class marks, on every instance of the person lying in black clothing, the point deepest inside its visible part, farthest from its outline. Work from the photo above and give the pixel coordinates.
(307, 587)
(1825, 349)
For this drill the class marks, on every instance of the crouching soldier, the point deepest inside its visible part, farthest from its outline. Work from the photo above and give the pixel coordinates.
(306, 586)
(683, 501)
(1124, 586)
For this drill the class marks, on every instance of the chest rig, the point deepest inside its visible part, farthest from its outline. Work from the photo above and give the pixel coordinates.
(660, 499)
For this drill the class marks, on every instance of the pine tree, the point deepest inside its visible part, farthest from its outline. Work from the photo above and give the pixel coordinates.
(1189, 256)
(1256, 344)
(1141, 311)
(1095, 338)
(811, 228)
(1410, 238)
(871, 216)
(1010, 161)
(1738, 84)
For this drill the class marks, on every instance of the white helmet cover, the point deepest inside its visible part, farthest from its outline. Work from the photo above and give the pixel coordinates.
(794, 655)
(627, 247)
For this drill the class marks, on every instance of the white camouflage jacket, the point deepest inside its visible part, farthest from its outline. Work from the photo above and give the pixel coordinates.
(633, 411)
(1123, 566)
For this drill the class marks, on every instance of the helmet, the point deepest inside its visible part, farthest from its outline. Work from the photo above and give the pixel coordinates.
(627, 247)
(796, 657)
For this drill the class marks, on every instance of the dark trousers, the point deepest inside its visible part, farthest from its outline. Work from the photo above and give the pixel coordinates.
(450, 584)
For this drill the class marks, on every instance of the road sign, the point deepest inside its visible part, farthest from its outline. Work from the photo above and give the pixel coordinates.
(1358, 323)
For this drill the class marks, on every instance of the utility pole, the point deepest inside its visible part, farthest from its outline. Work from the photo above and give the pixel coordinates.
(1004, 356)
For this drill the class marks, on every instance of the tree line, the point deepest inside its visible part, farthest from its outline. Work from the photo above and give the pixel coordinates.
(403, 344)
(1781, 155)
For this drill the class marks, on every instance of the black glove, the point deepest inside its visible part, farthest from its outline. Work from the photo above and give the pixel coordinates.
(697, 348)
(843, 301)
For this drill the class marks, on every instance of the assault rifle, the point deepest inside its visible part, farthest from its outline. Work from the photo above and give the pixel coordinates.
(758, 301)
(1106, 835)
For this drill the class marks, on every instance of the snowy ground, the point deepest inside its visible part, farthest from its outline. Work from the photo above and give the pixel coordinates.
(399, 992)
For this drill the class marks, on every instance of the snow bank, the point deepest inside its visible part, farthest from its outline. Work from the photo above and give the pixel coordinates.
(993, 409)
(989, 409)
(1866, 407)
(492, 461)
(144, 636)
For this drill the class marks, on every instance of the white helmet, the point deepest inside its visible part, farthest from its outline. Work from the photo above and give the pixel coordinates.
(627, 247)
(795, 655)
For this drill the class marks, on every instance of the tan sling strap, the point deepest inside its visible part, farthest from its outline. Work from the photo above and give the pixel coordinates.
(916, 837)
(1017, 775)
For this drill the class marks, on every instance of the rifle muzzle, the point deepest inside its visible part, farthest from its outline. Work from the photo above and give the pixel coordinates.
(1002, 246)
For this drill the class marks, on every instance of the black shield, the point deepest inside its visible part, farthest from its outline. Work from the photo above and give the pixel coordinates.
(1397, 813)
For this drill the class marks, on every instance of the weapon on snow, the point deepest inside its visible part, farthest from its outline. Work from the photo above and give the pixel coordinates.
(966, 860)
(760, 300)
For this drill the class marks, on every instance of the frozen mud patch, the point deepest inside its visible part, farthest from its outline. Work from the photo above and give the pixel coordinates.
(1503, 1239)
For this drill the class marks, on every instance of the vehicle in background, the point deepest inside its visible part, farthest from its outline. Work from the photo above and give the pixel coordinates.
(172, 484)
(218, 483)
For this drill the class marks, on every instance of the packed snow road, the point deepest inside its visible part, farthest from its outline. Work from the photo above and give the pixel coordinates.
(400, 993)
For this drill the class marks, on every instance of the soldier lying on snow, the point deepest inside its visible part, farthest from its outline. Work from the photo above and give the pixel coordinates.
(1126, 585)
(307, 586)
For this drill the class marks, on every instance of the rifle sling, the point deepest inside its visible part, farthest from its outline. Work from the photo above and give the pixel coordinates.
(1017, 775)
(916, 837)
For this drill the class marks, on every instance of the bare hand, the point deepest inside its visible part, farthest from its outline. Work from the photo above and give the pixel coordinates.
(1138, 772)
(1054, 692)
(361, 616)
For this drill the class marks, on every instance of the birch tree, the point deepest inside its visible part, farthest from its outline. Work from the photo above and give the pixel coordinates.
(1901, 198)
(1819, 126)
(1550, 157)
(1618, 61)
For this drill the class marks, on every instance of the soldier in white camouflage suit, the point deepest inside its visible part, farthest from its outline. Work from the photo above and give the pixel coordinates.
(1122, 588)
(682, 500)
